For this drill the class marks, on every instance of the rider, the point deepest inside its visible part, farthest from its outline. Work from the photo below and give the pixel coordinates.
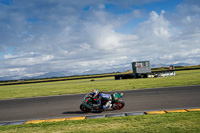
(102, 97)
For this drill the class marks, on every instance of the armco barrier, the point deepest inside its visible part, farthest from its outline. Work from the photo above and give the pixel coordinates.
(98, 116)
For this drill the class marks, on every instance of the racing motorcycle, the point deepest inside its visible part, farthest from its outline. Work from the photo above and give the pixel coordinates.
(88, 101)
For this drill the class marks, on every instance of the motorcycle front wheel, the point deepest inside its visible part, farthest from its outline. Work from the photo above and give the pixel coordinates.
(118, 105)
(84, 108)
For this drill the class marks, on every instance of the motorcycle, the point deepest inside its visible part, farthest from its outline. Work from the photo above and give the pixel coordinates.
(88, 103)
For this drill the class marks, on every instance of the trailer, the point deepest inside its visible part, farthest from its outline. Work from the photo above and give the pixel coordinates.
(141, 69)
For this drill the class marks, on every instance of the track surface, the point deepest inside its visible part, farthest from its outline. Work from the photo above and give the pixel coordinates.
(68, 105)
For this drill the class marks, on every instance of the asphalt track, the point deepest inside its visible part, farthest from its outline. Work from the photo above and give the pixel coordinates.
(68, 105)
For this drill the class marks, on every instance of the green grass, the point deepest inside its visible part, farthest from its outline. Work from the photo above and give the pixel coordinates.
(164, 123)
(190, 77)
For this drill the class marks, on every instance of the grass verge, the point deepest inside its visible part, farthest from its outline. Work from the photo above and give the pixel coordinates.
(165, 123)
(189, 77)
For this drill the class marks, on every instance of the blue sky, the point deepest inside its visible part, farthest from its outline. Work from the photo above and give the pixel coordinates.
(81, 36)
(6, 2)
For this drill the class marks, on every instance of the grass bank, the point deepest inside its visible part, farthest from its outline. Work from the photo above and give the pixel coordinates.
(189, 77)
(165, 123)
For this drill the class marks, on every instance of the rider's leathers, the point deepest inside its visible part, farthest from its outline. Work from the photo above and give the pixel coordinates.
(104, 97)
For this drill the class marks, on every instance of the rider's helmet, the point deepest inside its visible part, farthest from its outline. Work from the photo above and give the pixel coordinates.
(95, 92)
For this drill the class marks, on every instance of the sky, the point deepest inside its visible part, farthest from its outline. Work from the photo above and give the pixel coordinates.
(38, 37)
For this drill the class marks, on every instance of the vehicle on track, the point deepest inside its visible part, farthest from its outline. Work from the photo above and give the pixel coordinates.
(88, 103)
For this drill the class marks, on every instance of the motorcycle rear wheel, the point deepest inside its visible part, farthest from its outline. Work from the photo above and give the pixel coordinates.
(119, 104)
(84, 108)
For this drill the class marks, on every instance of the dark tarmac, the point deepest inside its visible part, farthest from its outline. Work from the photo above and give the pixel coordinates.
(68, 105)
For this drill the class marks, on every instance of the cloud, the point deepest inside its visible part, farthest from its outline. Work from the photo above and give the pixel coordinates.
(156, 27)
(50, 36)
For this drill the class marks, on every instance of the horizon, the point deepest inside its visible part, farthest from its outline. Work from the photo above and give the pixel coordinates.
(89, 73)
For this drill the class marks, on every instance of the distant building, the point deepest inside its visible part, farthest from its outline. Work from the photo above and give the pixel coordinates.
(141, 69)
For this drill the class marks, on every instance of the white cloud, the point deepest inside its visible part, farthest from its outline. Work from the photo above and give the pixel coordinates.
(16, 69)
(27, 61)
(156, 27)
(49, 36)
